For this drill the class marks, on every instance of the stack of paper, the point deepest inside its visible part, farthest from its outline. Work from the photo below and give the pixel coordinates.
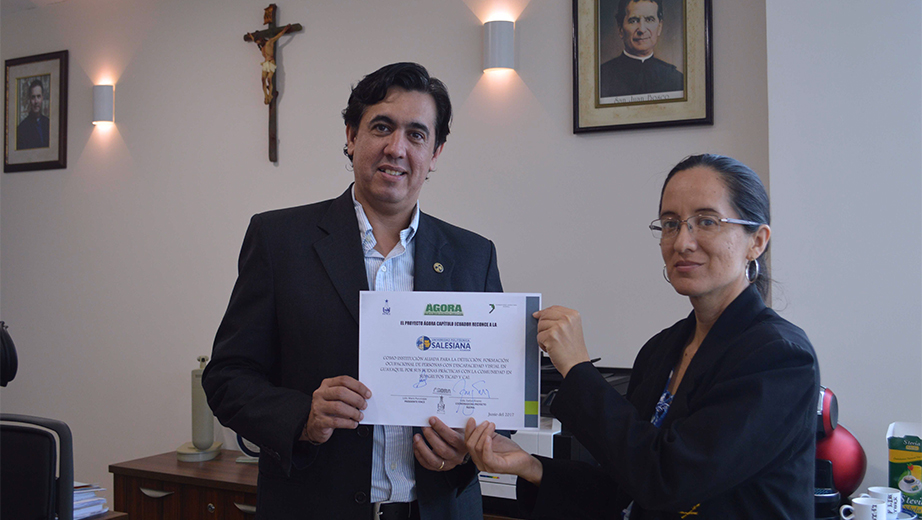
(86, 503)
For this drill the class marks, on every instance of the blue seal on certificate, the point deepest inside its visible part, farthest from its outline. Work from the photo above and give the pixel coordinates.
(423, 343)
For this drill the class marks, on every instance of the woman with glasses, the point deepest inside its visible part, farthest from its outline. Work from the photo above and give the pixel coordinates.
(719, 419)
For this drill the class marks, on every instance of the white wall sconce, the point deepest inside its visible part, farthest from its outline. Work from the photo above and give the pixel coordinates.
(499, 45)
(103, 104)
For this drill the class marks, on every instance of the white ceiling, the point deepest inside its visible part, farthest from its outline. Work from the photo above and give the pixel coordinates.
(8, 7)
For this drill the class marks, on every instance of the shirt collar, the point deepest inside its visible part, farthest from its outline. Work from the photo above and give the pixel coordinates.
(640, 59)
(366, 232)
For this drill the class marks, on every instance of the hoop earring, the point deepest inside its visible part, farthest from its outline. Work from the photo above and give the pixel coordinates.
(666, 276)
(750, 276)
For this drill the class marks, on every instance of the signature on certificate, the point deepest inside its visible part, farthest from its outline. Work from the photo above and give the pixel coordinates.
(477, 389)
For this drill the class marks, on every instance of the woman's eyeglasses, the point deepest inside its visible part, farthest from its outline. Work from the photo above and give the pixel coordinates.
(700, 226)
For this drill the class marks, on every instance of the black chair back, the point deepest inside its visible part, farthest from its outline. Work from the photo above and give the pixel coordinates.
(33, 486)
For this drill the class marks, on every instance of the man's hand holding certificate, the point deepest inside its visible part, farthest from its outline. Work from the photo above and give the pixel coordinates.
(451, 355)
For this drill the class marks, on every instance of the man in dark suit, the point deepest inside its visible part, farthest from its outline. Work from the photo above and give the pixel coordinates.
(636, 71)
(285, 362)
(33, 129)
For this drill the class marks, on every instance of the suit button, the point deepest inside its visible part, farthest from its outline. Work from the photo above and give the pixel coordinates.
(362, 430)
(361, 497)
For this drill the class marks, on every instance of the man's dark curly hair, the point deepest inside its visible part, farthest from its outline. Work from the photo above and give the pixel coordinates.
(408, 76)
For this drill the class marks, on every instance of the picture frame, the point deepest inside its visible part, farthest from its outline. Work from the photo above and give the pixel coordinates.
(672, 86)
(35, 113)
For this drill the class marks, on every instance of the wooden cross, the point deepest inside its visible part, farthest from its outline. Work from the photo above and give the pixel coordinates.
(266, 40)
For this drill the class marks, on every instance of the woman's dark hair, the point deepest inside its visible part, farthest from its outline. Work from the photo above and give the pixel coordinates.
(408, 76)
(747, 197)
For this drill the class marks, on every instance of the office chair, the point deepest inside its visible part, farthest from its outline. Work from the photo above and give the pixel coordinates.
(28, 464)
(8, 360)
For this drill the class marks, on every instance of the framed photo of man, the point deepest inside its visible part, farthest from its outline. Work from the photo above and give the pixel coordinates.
(35, 136)
(641, 64)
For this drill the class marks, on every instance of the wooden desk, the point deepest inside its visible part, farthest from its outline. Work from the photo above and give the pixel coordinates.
(111, 515)
(161, 487)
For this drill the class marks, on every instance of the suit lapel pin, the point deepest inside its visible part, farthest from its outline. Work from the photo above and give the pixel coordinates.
(438, 267)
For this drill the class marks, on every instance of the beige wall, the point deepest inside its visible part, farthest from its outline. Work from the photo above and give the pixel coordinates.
(116, 271)
(846, 173)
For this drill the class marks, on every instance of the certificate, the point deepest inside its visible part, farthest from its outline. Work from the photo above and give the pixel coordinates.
(452, 355)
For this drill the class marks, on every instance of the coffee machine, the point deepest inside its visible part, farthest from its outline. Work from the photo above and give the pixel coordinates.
(840, 459)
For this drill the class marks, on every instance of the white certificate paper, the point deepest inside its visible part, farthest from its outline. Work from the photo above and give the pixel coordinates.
(452, 355)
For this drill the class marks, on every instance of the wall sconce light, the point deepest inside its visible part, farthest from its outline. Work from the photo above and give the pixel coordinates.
(103, 104)
(498, 45)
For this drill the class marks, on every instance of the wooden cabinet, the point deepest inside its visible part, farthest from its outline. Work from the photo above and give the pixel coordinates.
(161, 487)
(112, 515)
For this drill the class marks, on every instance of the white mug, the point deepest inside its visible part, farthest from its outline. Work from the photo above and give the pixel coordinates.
(892, 496)
(865, 508)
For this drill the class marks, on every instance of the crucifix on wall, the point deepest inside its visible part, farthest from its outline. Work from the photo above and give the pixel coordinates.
(266, 40)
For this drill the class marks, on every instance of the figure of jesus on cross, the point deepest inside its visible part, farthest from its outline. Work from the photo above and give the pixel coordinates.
(268, 49)
(266, 40)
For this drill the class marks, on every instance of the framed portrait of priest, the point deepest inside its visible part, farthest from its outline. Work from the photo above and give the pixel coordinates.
(35, 124)
(641, 64)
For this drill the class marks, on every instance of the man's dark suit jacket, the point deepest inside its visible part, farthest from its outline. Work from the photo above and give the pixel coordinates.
(28, 135)
(626, 76)
(738, 441)
(292, 321)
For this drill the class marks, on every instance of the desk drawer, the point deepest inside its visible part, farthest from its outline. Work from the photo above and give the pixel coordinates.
(146, 499)
(240, 506)
(201, 503)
